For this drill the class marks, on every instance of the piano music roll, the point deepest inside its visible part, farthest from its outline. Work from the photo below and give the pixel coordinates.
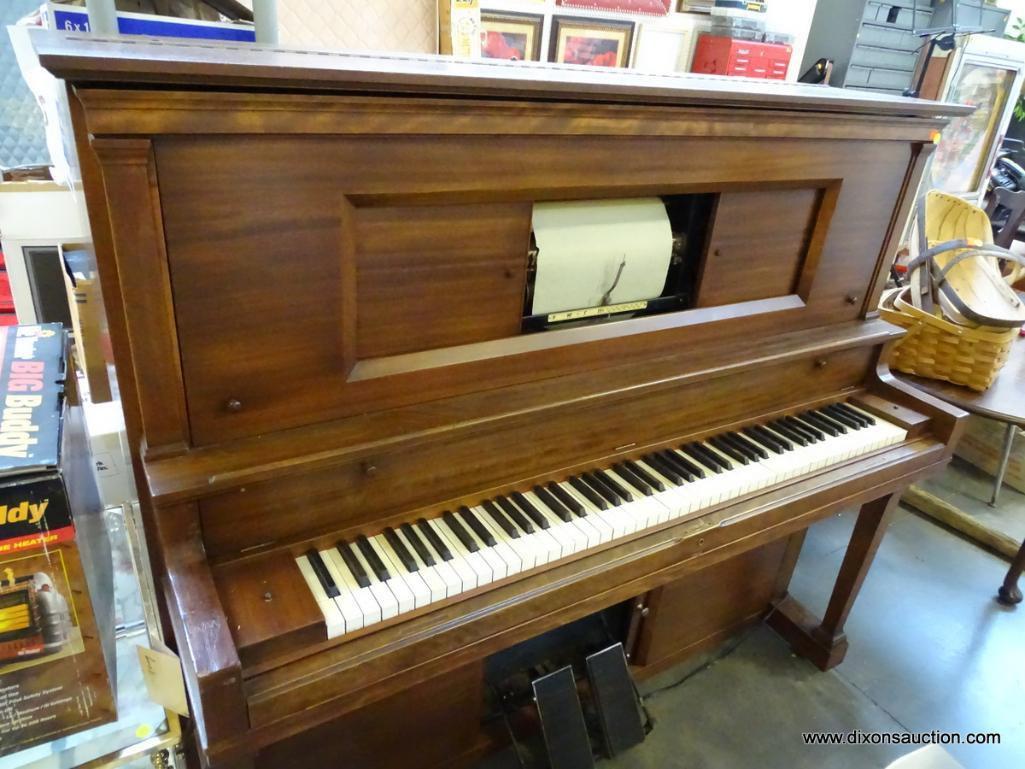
(600, 252)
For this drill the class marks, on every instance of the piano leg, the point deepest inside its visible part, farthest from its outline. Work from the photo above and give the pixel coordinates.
(823, 642)
(1010, 593)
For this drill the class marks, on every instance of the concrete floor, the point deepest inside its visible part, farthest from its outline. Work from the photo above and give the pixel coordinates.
(929, 650)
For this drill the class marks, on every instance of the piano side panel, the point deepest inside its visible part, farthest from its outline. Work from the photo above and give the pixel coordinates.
(258, 358)
(469, 461)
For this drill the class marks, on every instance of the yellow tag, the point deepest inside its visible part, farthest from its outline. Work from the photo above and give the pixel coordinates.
(162, 672)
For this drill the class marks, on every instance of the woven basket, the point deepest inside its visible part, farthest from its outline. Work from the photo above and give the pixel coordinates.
(936, 348)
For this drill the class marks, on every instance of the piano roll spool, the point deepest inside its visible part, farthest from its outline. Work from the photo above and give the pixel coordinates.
(593, 261)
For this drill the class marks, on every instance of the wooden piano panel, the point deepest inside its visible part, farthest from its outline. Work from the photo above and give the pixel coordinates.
(258, 357)
(759, 245)
(435, 276)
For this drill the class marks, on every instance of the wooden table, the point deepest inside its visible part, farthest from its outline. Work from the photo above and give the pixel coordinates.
(1004, 401)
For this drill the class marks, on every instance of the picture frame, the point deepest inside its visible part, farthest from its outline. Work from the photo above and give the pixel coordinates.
(590, 42)
(644, 7)
(511, 36)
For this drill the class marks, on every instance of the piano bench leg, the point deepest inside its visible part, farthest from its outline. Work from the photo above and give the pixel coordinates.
(823, 642)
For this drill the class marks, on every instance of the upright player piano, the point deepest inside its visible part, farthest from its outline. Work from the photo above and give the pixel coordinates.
(374, 444)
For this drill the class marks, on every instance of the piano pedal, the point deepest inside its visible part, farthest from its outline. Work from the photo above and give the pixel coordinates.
(562, 721)
(616, 700)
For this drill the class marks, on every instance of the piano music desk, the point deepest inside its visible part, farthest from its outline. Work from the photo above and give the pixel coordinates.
(1004, 402)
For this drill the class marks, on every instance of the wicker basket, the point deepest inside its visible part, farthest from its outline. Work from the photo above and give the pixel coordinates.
(937, 348)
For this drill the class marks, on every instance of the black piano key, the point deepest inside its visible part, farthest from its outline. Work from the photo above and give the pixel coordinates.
(482, 531)
(352, 563)
(615, 485)
(685, 461)
(781, 428)
(436, 542)
(742, 445)
(404, 555)
(857, 414)
(754, 446)
(833, 412)
(323, 575)
(567, 499)
(704, 456)
(718, 442)
(660, 466)
(829, 419)
(461, 534)
(771, 439)
(373, 560)
(589, 494)
(633, 479)
(421, 549)
(532, 512)
(602, 488)
(515, 514)
(765, 441)
(644, 475)
(553, 504)
(500, 520)
(672, 459)
(813, 433)
(822, 423)
(731, 440)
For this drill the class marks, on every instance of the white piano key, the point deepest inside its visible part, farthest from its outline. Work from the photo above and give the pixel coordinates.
(569, 537)
(368, 606)
(467, 576)
(499, 567)
(332, 616)
(430, 575)
(618, 522)
(397, 585)
(345, 601)
(412, 580)
(378, 589)
(454, 579)
(502, 547)
(461, 554)
(524, 547)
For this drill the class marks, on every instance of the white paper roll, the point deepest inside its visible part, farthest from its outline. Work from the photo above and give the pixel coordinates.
(583, 246)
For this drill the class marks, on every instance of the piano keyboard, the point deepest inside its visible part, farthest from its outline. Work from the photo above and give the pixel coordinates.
(367, 580)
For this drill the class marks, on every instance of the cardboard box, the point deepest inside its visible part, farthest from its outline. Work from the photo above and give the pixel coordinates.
(56, 582)
(91, 337)
(983, 445)
(109, 448)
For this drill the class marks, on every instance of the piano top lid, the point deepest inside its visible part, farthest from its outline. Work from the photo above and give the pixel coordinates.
(88, 59)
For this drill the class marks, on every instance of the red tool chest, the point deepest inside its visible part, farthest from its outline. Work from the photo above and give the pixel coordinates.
(715, 55)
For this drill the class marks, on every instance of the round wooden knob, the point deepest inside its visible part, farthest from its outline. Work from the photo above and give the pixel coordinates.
(369, 470)
(821, 363)
(233, 405)
(851, 299)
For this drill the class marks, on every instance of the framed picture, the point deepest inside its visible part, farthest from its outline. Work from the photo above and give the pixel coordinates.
(514, 36)
(594, 42)
(648, 7)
